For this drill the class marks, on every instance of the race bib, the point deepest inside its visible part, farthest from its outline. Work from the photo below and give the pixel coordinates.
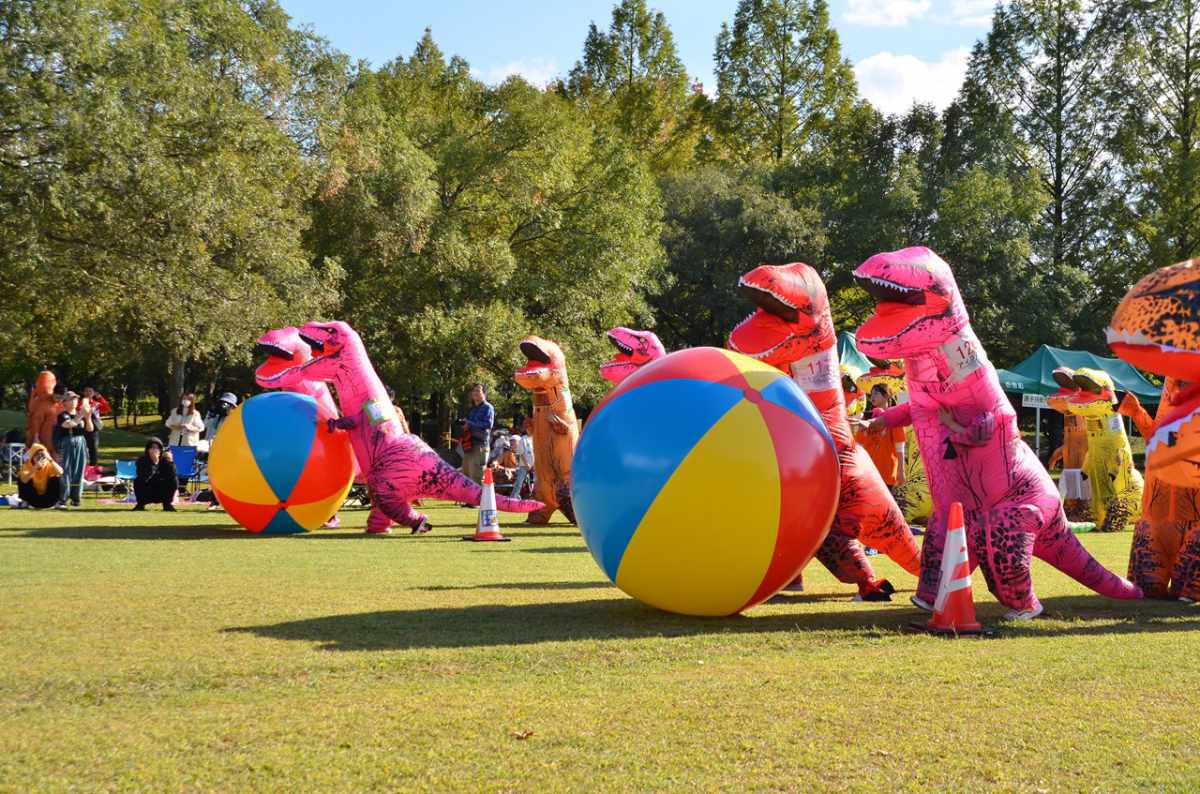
(818, 372)
(964, 355)
(379, 411)
(1114, 422)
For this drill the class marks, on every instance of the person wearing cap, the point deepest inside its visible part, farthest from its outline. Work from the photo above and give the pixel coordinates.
(212, 425)
(156, 482)
(72, 447)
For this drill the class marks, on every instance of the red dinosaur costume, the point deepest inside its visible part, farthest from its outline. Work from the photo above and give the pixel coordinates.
(43, 410)
(793, 329)
(555, 429)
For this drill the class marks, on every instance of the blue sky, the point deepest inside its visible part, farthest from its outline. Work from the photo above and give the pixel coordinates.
(903, 50)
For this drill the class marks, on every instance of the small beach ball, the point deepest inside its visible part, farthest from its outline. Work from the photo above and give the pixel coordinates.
(704, 482)
(276, 468)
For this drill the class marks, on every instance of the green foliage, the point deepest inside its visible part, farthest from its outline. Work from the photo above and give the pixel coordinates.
(154, 173)
(467, 216)
(632, 79)
(718, 226)
(781, 78)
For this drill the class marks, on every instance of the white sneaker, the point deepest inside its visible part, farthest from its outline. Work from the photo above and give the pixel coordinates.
(921, 603)
(1186, 600)
(1026, 614)
(60, 507)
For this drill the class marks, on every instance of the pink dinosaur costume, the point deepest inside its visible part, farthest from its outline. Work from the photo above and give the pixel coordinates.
(283, 349)
(399, 466)
(792, 329)
(967, 432)
(635, 349)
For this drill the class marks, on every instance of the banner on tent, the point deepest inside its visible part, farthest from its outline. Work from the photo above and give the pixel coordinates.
(1034, 401)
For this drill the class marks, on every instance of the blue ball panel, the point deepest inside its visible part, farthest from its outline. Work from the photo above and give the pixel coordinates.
(280, 427)
(648, 430)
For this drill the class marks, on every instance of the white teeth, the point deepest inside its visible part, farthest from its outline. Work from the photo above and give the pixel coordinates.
(1139, 338)
(1163, 434)
(743, 283)
(891, 285)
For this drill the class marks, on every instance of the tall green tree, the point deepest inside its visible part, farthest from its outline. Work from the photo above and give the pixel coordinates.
(164, 202)
(1159, 141)
(1046, 69)
(719, 224)
(781, 78)
(632, 78)
(467, 216)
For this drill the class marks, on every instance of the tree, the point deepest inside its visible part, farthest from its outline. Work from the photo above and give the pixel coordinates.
(467, 216)
(631, 77)
(1159, 141)
(1044, 68)
(718, 226)
(983, 229)
(156, 173)
(781, 78)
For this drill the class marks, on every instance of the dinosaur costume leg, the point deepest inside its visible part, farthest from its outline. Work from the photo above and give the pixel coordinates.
(868, 511)
(1154, 555)
(1185, 577)
(845, 558)
(552, 455)
(931, 560)
(1003, 541)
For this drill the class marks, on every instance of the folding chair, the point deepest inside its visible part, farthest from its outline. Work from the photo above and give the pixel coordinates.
(126, 474)
(185, 462)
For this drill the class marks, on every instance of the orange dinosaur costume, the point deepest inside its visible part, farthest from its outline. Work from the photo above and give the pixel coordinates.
(1071, 485)
(1157, 327)
(555, 429)
(42, 412)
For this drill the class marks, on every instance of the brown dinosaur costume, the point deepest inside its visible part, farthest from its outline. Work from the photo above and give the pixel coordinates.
(42, 412)
(555, 429)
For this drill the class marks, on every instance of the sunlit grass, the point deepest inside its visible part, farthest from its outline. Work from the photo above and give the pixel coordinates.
(164, 652)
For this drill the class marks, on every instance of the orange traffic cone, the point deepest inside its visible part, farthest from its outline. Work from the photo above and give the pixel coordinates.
(488, 528)
(954, 610)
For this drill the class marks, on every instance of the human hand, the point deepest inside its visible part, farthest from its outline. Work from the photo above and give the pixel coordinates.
(167, 456)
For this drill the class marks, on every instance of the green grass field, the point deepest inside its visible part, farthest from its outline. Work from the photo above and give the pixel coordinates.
(163, 652)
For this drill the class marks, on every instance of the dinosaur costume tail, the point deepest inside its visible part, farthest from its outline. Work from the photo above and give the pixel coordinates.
(460, 488)
(1059, 547)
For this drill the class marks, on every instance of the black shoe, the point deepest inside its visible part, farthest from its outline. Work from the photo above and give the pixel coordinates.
(168, 508)
(75, 503)
(139, 507)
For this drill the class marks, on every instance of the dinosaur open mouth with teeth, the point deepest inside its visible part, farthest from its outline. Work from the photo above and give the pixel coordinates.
(898, 308)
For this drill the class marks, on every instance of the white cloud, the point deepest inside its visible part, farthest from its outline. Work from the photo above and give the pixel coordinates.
(893, 82)
(887, 13)
(971, 13)
(536, 71)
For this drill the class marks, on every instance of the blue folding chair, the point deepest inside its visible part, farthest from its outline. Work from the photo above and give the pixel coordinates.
(126, 474)
(185, 462)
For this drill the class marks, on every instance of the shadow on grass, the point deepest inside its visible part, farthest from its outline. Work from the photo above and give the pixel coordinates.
(438, 588)
(194, 532)
(624, 618)
(554, 550)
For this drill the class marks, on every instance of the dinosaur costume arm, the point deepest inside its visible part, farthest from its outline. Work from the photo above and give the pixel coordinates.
(1056, 457)
(897, 415)
(977, 432)
(1132, 407)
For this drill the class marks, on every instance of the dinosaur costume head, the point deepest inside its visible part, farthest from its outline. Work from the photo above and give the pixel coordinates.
(635, 349)
(1094, 395)
(334, 349)
(1157, 324)
(918, 306)
(281, 349)
(545, 367)
(44, 385)
(792, 320)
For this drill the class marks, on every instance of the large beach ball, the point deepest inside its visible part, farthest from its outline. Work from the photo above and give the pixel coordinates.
(276, 468)
(704, 482)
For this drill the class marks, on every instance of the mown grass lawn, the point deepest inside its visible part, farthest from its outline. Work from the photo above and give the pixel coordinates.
(162, 652)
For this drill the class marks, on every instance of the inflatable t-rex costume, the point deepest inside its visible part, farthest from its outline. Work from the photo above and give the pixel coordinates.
(555, 429)
(399, 466)
(792, 329)
(913, 497)
(1072, 486)
(1157, 327)
(635, 349)
(967, 431)
(42, 413)
(1116, 484)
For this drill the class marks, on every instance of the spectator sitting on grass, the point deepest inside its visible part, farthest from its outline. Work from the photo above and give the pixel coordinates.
(39, 483)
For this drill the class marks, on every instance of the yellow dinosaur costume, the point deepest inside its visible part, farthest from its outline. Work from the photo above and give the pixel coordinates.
(555, 429)
(1116, 484)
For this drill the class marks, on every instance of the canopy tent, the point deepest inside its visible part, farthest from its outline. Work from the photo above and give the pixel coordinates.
(855, 362)
(1033, 375)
